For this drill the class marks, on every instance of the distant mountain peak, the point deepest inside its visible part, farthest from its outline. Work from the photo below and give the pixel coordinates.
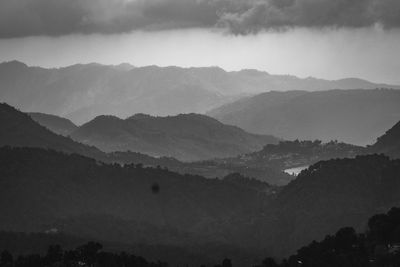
(13, 64)
(186, 137)
(253, 72)
(124, 66)
(103, 121)
(139, 116)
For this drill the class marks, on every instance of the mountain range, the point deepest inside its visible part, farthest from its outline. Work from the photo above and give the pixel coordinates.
(83, 91)
(352, 116)
(20, 130)
(280, 156)
(186, 137)
(79, 190)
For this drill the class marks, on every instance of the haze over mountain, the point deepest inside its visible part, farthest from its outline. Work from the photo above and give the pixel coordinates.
(186, 137)
(54, 123)
(20, 130)
(350, 116)
(389, 143)
(83, 91)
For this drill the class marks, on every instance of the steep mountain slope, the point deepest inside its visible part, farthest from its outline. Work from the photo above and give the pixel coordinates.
(389, 143)
(20, 130)
(82, 92)
(332, 194)
(186, 137)
(54, 123)
(351, 116)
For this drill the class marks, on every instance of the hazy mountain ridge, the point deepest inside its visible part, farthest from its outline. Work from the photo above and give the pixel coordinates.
(389, 143)
(350, 116)
(265, 164)
(20, 130)
(187, 137)
(54, 123)
(83, 91)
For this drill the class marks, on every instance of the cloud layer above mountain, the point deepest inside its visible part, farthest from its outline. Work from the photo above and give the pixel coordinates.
(54, 18)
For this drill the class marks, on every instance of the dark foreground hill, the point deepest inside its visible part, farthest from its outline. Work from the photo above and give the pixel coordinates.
(43, 190)
(351, 116)
(377, 246)
(187, 137)
(334, 193)
(25, 244)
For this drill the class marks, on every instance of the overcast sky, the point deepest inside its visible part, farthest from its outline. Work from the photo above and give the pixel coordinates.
(322, 38)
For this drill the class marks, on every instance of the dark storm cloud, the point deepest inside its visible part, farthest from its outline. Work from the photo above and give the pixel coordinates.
(280, 14)
(59, 17)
